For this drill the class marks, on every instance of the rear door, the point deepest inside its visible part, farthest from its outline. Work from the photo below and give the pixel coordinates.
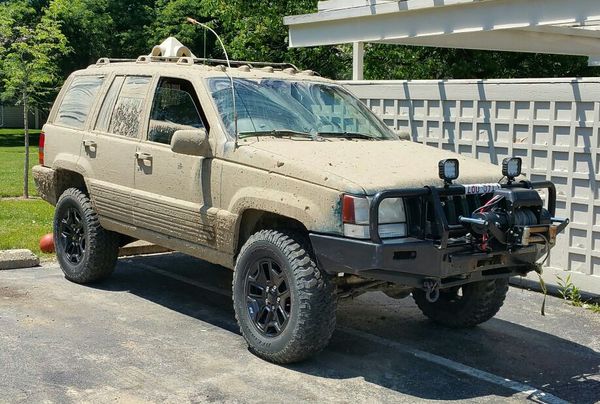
(109, 150)
(65, 128)
(170, 196)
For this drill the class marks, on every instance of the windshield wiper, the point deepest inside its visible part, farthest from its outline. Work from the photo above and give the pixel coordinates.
(347, 135)
(277, 133)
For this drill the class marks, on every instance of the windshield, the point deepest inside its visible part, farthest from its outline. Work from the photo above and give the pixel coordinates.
(267, 106)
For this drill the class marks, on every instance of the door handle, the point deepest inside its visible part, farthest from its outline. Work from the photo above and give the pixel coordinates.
(143, 156)
(89, 143)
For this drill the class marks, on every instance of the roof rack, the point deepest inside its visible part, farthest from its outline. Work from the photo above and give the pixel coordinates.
(206, 61)
(238, 63)
(105, 61)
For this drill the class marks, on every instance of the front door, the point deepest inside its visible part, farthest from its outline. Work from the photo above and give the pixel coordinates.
(169, 197)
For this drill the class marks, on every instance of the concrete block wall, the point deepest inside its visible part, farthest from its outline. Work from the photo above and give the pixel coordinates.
(552, 124)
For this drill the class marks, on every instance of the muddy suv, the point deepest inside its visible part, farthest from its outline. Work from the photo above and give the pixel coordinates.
(290, 181)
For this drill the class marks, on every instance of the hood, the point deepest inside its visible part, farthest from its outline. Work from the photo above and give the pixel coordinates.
(360, 166)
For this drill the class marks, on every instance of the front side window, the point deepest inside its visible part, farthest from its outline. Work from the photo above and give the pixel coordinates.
(78, 101)
(310, 108)
(174, 107)
(121, 112)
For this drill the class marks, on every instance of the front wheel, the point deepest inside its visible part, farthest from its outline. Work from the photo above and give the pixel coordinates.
(465, 306)
(284, 305)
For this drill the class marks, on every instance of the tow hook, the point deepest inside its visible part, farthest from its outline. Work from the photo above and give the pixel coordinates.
(432, 290)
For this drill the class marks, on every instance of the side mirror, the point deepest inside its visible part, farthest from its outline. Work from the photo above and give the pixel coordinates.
(192, 142)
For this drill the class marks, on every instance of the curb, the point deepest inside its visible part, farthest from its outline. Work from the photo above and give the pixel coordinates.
(552, 289)
(16, 259)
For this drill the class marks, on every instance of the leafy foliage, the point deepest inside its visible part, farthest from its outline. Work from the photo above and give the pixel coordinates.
(255, 31)
(413, 63)
(30, 48)
(572, 294)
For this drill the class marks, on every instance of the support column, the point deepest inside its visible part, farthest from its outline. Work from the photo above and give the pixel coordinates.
(358, 54)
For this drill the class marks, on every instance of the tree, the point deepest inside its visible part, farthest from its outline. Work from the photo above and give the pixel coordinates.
(251, 31)
(391, 62)
(170, 21)
(88, 27)
(30, 46)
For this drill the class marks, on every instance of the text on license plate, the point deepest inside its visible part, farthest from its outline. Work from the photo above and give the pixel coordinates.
(471, 189)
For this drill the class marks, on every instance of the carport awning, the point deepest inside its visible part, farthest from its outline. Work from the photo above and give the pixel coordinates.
(544, 26)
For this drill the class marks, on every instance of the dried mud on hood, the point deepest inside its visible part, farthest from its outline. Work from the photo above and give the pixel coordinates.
(360, 166)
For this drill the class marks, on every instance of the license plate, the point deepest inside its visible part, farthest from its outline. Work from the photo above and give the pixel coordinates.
(472, 189)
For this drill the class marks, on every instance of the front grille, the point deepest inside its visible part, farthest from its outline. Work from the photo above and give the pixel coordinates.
(460, 205)
(423, 222)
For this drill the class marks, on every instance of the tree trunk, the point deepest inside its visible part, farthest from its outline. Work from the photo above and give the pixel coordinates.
(26, 127)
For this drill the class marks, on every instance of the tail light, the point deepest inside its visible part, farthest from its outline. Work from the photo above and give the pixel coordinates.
(41, 150)
(355, 217)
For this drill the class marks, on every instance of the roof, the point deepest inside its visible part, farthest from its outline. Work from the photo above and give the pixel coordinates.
(542, 26)
(151, 64)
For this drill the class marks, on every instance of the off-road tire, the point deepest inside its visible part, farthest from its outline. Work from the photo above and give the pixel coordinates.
(480, 301)
(99, 257)
(311, 321)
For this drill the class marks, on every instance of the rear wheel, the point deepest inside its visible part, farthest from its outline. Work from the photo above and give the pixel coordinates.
(85, 250)
(284, 305)
(465, 306)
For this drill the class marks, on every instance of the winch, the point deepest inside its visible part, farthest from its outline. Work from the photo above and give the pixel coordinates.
(512, 217)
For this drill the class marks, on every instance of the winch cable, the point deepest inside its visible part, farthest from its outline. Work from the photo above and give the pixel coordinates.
(489, 205)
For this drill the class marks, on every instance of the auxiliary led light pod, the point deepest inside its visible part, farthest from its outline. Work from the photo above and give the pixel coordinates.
(448, 170)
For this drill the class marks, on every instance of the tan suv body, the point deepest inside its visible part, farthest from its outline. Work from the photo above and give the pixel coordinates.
(145, 150)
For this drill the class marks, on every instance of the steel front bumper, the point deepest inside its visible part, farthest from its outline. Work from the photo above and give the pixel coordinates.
(410, 261)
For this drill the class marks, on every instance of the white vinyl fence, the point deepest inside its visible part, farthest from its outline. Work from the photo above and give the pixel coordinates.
(551, 123)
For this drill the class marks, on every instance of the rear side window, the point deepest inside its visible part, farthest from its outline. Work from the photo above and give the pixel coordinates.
(121, 111)
(78, 100)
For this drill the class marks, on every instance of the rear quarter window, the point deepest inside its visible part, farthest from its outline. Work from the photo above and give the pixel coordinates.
(77, 101)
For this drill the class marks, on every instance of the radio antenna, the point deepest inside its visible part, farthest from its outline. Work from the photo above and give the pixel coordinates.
(206, 27)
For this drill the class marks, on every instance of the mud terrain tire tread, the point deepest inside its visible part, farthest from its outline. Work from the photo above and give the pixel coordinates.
(315, 301)
(102, 246)
(484, 301)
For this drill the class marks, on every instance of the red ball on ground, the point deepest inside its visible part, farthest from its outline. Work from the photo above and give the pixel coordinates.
(47, 243)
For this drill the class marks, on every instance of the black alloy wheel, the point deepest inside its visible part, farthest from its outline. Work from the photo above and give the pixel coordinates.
(72, 236)
(268, 297)
(284, 304)
(85, 250)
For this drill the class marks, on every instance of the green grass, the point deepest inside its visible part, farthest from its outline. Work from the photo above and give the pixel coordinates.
(23, 223)
(12, 156)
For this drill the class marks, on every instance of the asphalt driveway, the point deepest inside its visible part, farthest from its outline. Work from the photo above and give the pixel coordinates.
(162, 330)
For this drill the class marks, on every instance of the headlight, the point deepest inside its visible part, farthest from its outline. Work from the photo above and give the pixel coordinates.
(511, 167)
(391, 210)
(355, 216)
